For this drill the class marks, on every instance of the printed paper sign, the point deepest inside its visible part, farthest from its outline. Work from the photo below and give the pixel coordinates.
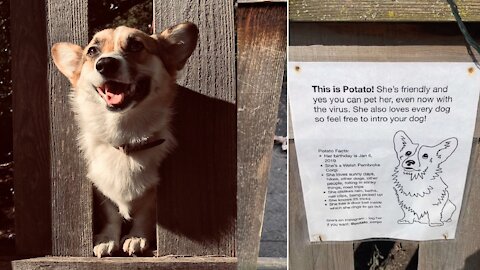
(383, 148)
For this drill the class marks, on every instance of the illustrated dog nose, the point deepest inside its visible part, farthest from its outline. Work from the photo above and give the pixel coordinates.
(410, 162)
(107, 66)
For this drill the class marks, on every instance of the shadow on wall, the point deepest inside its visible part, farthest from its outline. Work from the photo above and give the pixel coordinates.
(473, 261)
(197, 194)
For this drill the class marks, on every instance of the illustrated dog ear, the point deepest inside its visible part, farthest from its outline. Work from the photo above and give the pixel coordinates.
(178, 43)
(400, 140)
(445, 149)
(67, 57)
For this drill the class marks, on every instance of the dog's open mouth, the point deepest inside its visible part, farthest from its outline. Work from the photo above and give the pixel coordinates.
(119, 96)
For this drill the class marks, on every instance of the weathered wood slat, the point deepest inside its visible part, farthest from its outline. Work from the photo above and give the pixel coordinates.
(378, 10)
(53, 199)
(302, 254)
(261, 32)
(71, 191)
(211, 68)
(329, 42)
(163, 263)
(260, 1)
(196, 209)
(461, 253)
(31, 128)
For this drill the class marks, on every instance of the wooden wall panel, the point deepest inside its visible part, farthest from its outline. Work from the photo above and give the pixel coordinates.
(401, 42)
(196, 209)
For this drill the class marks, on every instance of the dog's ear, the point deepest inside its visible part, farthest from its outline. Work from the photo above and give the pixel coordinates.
(445, 149)
(177, 43)
(400, 141)
(67, 57)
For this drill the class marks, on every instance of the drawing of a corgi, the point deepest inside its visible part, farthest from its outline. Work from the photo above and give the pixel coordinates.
(421, 192)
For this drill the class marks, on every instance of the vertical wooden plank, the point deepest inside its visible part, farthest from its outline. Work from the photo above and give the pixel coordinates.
(71, 191)
(302, 254)
(211, 69)
(53, 198)
(196, 199)
(464, 251)
(261, 35)
(31, 128)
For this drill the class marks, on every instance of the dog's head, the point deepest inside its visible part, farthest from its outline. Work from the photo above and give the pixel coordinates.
(414, 158)
(122, 67)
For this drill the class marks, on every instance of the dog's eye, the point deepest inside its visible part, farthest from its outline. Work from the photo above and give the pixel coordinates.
(425, 156)
(408, 153)
(92, 51)
(134, 45)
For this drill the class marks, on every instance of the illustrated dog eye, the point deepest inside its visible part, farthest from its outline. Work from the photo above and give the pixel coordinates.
(408, 153)
(425, 156)
(134, 45)
(93, 51)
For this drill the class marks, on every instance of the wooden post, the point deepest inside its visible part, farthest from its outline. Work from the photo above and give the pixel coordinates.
(53, 197)
(261, 32)
(31, 128)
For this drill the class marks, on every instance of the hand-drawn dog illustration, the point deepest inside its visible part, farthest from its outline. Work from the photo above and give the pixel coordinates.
(421, 192)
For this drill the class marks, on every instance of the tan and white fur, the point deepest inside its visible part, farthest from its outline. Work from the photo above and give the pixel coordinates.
(421, 192)
(123, 91)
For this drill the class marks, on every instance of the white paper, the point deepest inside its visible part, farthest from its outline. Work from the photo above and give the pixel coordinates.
(383, 148)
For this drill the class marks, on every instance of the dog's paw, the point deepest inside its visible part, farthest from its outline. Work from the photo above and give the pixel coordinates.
(105, 248)
(134, 245)
(404, 221)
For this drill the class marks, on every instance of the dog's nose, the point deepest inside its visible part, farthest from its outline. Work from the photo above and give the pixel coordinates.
(410, 162)
(107, 66)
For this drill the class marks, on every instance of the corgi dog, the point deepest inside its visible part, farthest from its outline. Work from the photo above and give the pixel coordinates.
(421, 192)
(123, 88)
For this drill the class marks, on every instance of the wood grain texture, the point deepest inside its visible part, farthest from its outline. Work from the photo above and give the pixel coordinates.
(31, 139)
(303, 255)
(163, 263)
(464, 251)
(261, 32)
(71, 191)
(380, 42)
(378, 10)
(196, 199)
(260, 1)
(211, 68)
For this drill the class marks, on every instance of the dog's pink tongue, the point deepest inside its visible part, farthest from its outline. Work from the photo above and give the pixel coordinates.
(111, 98)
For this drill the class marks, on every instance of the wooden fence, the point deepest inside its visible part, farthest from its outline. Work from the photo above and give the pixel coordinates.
(383, 31)
(211, 209)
